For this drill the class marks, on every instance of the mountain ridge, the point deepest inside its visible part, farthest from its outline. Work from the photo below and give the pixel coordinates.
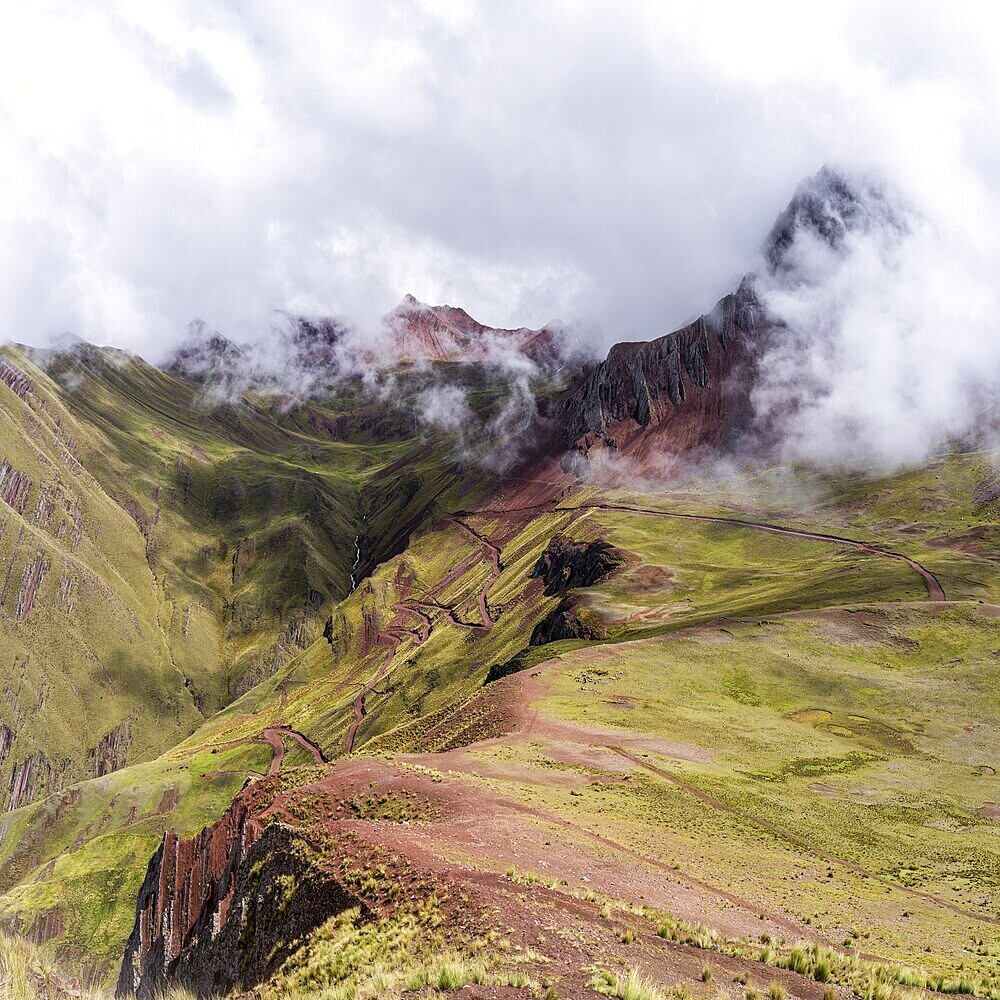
(404, 739)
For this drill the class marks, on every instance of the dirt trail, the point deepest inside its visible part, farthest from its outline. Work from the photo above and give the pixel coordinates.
(393, 635)
(425, 622)
(934, 588)
(493, 552)
(764, 824)
(448, 612)
(394, 641)
(278, 746)
(303, 741)
(273, 734)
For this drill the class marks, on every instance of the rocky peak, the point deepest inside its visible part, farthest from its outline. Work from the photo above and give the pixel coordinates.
(314, 340)
(677, 393)
(829, 206)
(691, 389)
(449, 333)
(203, 353)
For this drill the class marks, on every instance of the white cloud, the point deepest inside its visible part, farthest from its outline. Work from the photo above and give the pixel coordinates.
(888, 350)
(618, 163)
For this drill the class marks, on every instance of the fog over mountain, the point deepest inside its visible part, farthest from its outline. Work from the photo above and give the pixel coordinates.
(615, 168)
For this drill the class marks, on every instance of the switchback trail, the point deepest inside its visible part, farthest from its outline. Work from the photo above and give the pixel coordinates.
(794, 838)
(494, 555)
(394, 634)
(273, 734)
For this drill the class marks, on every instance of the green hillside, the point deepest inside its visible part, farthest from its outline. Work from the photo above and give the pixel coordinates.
(768, 675)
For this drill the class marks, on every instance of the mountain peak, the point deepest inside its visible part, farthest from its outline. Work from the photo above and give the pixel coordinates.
(830, 205)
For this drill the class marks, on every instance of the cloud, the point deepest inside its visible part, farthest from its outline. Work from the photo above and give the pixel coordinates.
(887, 349)
(617, 163)
(444, 406)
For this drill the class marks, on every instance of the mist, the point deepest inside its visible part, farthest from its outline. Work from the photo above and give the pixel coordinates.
(886, 350)
(615, 167)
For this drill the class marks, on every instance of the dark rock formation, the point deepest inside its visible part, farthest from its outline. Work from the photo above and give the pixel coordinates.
(690, 390)
(568, 621)
(111, 753)
(223, 909)
(186, 896)
(6, 742)
(686, 390)
(31, 580)
(987, 491)
(14, 487)
(829, 205)
(565, 563)
(34, 776)
(514, 665)
(315, 341)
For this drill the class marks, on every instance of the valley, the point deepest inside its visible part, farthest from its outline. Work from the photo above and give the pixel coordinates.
(308, 694)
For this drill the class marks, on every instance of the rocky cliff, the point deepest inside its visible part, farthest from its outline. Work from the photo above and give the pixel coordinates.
(220, 909)
(690, 390)
(687, 390)
(186, 897)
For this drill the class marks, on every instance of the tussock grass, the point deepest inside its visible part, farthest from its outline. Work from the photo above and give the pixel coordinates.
(28, 972)
(351, 958)
(634, 986)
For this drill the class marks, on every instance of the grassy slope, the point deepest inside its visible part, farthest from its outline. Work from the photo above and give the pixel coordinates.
(209, 544)
(903, 780)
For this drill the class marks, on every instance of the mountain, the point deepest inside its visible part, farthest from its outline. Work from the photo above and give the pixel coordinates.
(684, 392)
(326, 681)
(304, 353)
(690, 392)
(447, 333)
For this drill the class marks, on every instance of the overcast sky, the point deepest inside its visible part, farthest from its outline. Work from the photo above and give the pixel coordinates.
(617, 163)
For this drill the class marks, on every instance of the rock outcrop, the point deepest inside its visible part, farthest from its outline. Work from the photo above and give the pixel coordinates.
(111, 753)
(568, 621)
(222, 910)
(15, 379)
(6, 742)
(829, 206)
(685, 391)
(566, 563)
(33, 777)
(987, 492)
(186, 897)
(690, 391)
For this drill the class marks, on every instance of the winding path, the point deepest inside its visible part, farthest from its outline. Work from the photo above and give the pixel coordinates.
(934, 589)
(273, 734)
(394, 634)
